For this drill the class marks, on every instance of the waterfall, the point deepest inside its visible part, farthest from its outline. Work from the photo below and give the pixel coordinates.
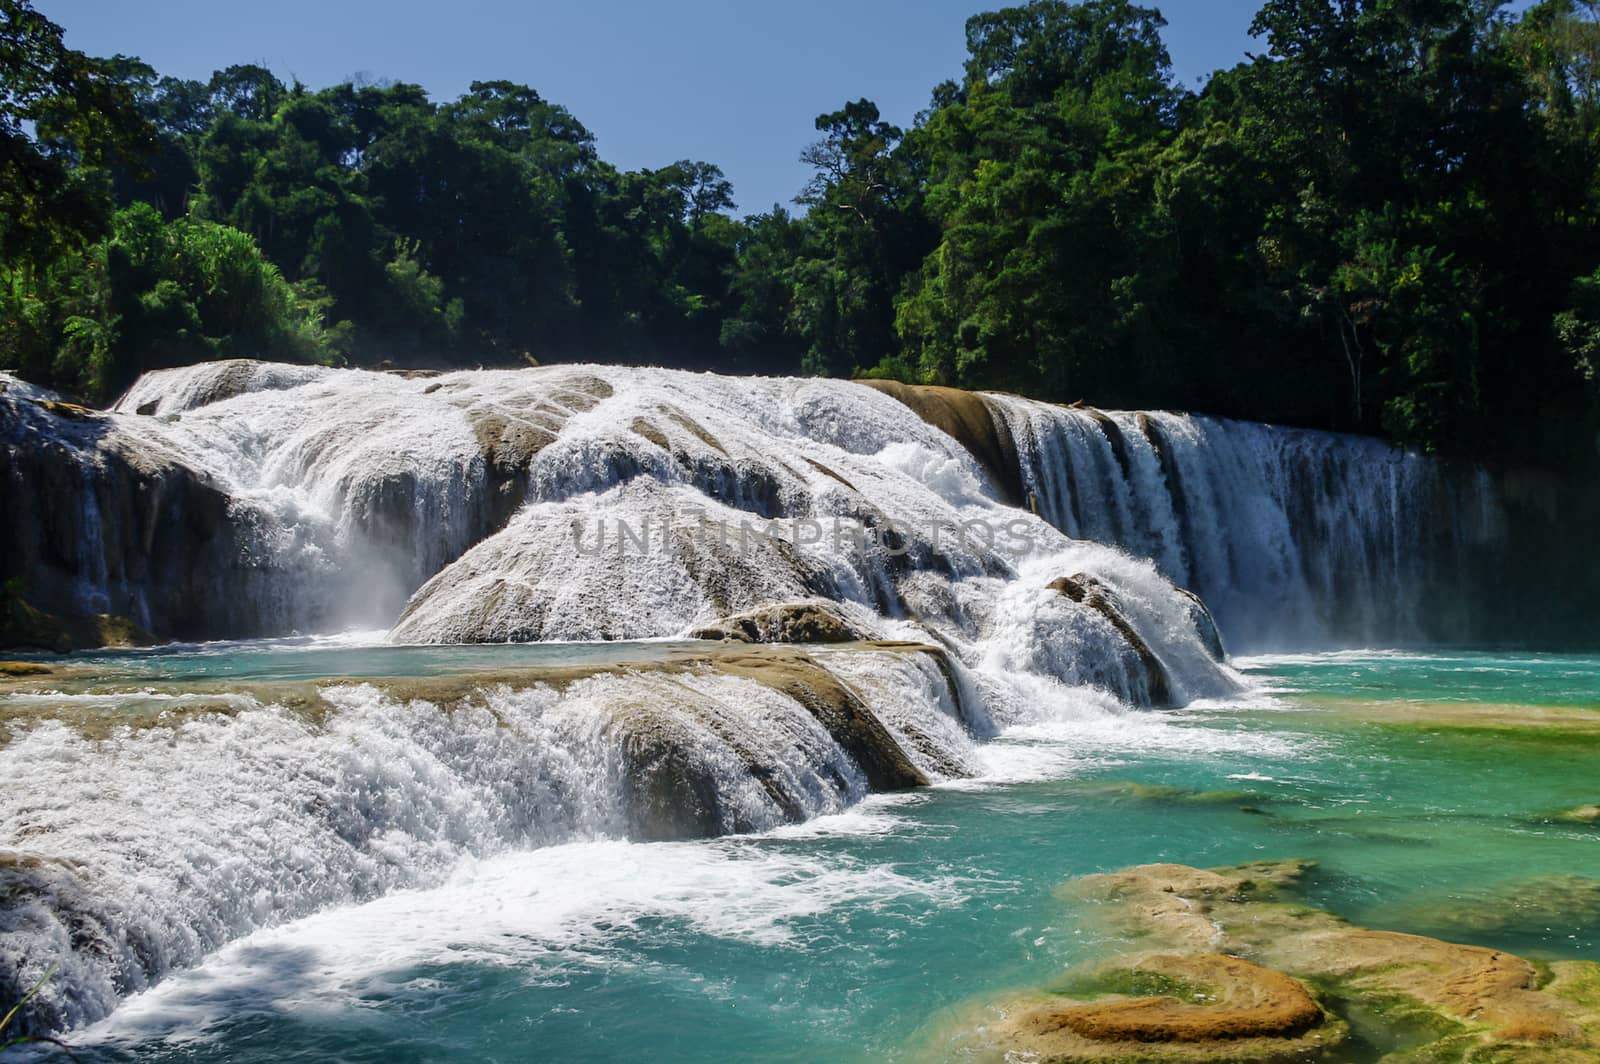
(453, 508)
(994, 563)
(1293, 538)
(237, 499)
(151, 827)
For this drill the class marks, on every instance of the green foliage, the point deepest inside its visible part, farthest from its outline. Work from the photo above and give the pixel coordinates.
(1577, 330)
(1362, 229)
(1385, 223)
(152, 295)
(63, 116)
(12, 1042)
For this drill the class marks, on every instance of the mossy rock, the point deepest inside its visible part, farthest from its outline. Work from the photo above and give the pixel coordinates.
(1407, 997)
(25, 627)
(792, 622)
(1583, 814)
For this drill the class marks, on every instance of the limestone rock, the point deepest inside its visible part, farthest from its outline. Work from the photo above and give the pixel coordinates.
(790, 622)
(1246, 944)
(1239, 999)
(972, 423)
(1096, 595)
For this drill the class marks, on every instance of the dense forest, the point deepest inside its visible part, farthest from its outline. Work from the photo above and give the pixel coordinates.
(1386, 221)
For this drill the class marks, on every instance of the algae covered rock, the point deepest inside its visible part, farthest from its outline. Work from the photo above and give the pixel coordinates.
(23, 626)
(1558, 902)
(1199, 1006)
(791, 622)
(1232, 967)
(1583, 814)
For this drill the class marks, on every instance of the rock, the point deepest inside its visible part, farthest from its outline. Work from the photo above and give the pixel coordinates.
(655, 716)
(155, 393)
(23, 626)
(1583, 814)
(1551, 904)
(838, 709)
(64, 409)
(1205, 624)
(790, 622)
(511, 436)
(1097, 596)
(1111, 790)
(23, 668)
(655, 433)
(1472, 995)
(102, 524)
(971, 421)
(1224, 999)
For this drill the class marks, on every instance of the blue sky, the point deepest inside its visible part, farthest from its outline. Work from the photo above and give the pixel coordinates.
(734, 82)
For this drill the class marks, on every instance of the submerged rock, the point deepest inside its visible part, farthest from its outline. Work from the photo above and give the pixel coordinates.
(1542, 904)
(1164, 794)
(1237, 969)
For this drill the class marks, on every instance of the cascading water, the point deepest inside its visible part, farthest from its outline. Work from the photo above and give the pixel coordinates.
(599, 503)
(1292, 538)
(138, 846)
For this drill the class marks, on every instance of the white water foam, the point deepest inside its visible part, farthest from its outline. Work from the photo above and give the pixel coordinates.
(1293, 538)
(547, 910)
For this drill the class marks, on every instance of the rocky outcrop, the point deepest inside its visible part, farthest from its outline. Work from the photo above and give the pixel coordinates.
(511, 437)
(1210, 997)
(1096, 595)
(675, 795)
(103, 534)
(1241, 970)
(1205, 624)
(24, 627)
(790, 622)
(215, 382)
(970, 420)
(839, 709)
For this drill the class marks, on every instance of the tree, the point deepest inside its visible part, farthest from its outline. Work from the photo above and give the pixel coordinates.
(81, 116)
(156, 294)
(1040, 179)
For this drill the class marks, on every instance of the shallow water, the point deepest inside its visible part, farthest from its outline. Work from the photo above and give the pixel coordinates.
(854, 937)
(358, 653)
